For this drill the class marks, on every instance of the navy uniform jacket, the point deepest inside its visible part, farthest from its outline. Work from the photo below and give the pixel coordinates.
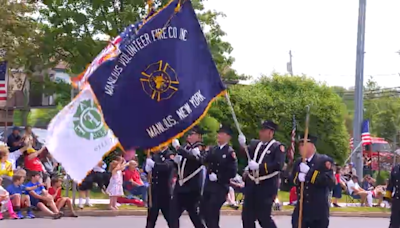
(270, 166)
(189, 165)
(394, 184)
(223, 163)
(318, 184)
(162, 173)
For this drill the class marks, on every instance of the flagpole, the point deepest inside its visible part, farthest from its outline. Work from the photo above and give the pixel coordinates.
(149, 180)
(300, 219)
(6, 108)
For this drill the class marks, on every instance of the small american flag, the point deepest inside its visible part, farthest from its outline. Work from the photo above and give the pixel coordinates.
(290, 153)
(365, 135)
(3, 87)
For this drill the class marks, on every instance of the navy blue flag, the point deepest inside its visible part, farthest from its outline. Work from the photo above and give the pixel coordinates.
(162, 83)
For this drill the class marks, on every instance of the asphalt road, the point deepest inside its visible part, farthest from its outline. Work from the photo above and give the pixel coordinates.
(139, 222)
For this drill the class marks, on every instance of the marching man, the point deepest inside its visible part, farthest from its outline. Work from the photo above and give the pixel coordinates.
(317, 175)
(267, 157)
(187, 191)
(221, 165)
(161, 167)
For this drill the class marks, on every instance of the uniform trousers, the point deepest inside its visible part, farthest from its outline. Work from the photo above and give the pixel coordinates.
(158, 202)
(188, 201)
(309, 223)
(210, 206)
(257, 207)
(395, 215)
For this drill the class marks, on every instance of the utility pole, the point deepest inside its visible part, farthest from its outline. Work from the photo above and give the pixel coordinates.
(289, 65)
(359, 83)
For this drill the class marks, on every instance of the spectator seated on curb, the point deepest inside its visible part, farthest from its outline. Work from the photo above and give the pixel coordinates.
(61, 202)
(133, 182)
(40, 198)
(293, 196)
(356, 191)
(19, 198)
(5, 203)
(231, 200)
(237, 184)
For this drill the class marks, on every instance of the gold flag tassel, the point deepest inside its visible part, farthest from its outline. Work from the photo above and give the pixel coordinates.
(300, 218)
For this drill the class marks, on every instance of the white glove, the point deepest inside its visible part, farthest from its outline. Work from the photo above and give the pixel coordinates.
(178, 159)
(213, 177)
(176, 144)
(150, 162)
(304, 168)
(302, 177)
(242, 140)
(195, 151)
(148, 168)
(253, 165)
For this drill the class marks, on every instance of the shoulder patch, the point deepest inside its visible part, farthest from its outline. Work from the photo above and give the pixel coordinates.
(233, 155)
(282, 148)
(328, 165)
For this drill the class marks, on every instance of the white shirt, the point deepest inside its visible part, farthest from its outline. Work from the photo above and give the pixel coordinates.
(222, 146)
(310, 158)
(101, 169)
(351, 186)
(13, 157)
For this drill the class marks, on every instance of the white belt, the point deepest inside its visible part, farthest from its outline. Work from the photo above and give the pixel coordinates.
(265, 177)
(183, 180)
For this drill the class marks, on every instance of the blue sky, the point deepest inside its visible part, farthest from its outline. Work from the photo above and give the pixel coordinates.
(321, 34)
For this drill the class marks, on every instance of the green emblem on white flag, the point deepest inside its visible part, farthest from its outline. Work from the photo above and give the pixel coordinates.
(87, 121)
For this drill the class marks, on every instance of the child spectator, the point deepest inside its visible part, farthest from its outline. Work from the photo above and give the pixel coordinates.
(6, 170)
(6, 203)
(293, 196)
(115, 189)
(40, 197)
(18, 199)
(337, 190)
(55, 191)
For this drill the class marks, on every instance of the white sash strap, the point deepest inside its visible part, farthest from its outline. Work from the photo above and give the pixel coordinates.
(255, 177)
(181, 173)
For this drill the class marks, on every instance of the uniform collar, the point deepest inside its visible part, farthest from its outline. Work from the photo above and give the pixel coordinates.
(222, 146)
(310, 158)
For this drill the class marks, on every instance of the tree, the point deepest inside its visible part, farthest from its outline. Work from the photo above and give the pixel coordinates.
(76, 31)
(20, 34)
(280, 97)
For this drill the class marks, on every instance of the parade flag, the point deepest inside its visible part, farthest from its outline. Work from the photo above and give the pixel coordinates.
(110, 51)
(163, 81)
(365, 135)
(3, 83)
(77, 136)
(292, 149)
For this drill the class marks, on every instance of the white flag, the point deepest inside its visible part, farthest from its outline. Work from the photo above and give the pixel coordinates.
(77, 136)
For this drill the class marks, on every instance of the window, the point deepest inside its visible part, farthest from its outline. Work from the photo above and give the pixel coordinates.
(381, 147)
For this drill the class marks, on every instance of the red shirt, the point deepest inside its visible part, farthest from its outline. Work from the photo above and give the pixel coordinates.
(133, 175)
(337, 175)
(292, 195)
(33, 164)
(57, 196)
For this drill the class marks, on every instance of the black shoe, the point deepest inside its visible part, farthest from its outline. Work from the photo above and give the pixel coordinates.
(336, 205)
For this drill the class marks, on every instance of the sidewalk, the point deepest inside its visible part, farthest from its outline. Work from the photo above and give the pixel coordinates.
(107, 201)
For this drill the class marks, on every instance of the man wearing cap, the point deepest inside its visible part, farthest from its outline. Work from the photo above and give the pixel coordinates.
(317, 175)
(267, 157)
(393, 195)
(221, 165)
(187, 191)
(161, 167)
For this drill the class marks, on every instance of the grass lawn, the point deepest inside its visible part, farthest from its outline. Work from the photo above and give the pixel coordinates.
(93, 194)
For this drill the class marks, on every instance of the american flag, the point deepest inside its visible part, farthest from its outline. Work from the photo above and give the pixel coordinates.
(3, 87)
(365, 135)
(112, 50)
(290, 153)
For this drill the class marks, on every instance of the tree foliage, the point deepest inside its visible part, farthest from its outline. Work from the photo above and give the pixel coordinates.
(20, 33)
(280, 97)
(76, 31)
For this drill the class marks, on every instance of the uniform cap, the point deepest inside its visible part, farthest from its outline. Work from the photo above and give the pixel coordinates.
(196, 130)
(225, 129)
(268, 124)
(311, 139)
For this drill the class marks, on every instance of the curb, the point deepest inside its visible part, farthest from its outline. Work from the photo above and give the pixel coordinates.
(109, 213)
